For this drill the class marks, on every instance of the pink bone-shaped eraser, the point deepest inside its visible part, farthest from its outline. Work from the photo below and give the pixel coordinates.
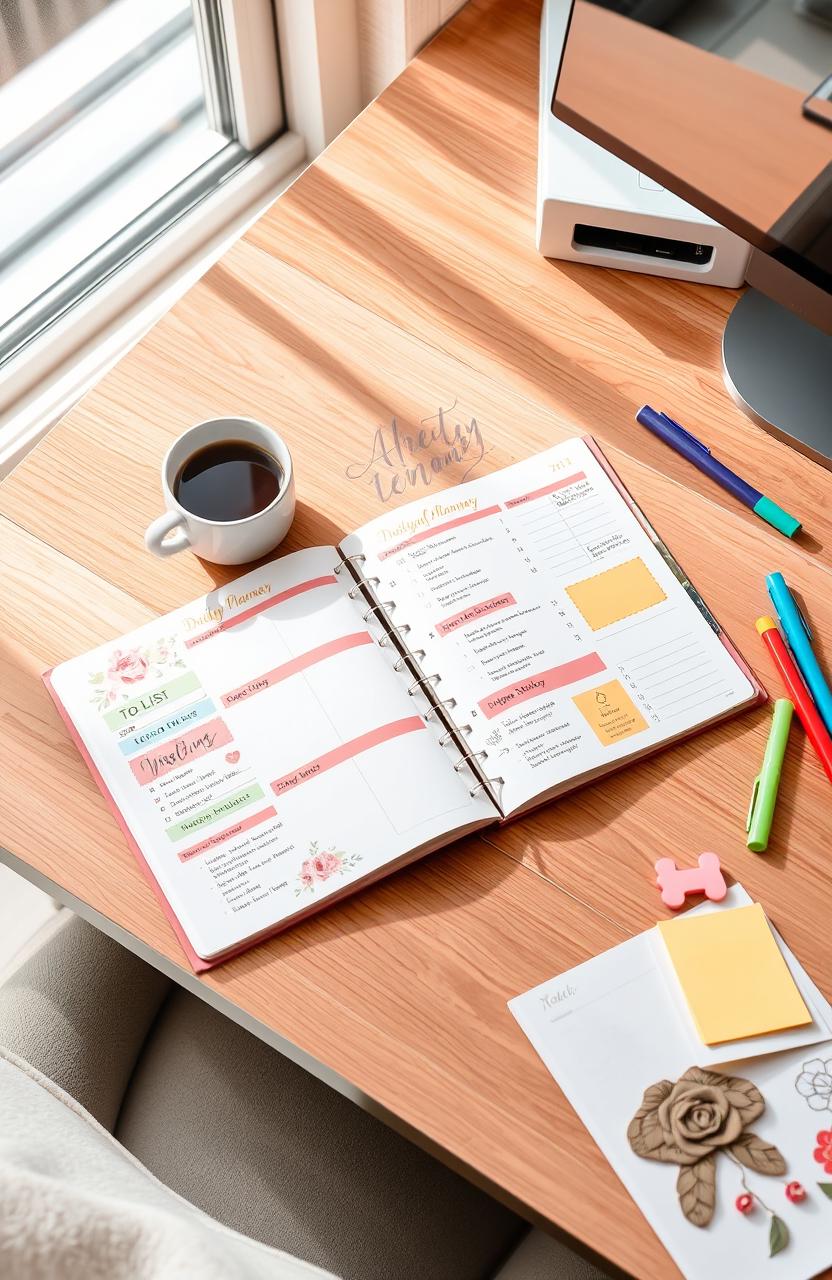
(707, 878)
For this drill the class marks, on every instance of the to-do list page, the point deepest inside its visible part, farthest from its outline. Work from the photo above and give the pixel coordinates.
(262, 751)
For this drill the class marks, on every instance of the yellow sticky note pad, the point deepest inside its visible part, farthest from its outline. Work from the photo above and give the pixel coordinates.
(615, 594)
(734, 978)
(611, 712)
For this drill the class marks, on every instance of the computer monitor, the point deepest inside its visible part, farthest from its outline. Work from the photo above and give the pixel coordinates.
(724, 106)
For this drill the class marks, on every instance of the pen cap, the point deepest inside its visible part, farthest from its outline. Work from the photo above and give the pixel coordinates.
(776, 517)
(767, 783)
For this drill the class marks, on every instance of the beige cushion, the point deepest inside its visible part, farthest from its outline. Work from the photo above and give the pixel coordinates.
(539, 1257)
(258, 1142)
(74, 1205)
(79, 1009)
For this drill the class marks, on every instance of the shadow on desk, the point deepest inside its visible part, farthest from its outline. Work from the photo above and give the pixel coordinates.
(435, 887)
(600, 843)
(309, 529)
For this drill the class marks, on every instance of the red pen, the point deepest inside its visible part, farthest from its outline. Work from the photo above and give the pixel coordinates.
(799, 694)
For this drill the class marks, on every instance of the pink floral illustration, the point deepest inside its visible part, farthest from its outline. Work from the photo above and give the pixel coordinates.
(320, 865)
(128, 667)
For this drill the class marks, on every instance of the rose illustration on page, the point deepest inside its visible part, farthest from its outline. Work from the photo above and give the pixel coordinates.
(128, 668)
(321, 865)
(815, 1084)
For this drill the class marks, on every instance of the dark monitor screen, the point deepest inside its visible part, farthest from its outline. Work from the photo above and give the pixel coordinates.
(727, 104)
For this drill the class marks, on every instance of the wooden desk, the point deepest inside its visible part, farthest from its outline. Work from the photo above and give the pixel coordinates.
(399, 275)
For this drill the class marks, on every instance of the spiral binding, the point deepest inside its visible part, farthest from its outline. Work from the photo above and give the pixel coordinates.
(347, 559)
(470, 755)
(446, 737)
(401, 662)
(417, 655)
(382, 604)
(479, 786)
(423, 680)
(450, 703)
(401, 630)
(359, 587)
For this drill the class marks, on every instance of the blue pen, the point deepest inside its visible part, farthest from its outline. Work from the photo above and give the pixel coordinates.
(799, 640)
(674, 434)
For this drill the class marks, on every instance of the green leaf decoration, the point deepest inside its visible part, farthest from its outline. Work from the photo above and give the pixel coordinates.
(96, 677)
(826, 1188)
(778, 1235)
(760, 1156)
(696, 1189)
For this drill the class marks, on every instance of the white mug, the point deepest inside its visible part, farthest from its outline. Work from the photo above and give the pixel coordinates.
(222, 541)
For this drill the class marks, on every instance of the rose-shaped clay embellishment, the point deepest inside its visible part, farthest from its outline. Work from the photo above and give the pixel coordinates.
(688, 1122)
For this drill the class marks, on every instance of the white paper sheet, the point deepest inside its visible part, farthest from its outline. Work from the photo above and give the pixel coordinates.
(611, 1027)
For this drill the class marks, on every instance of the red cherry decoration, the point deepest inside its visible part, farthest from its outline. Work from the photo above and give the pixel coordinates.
(745, 1202)
(795, 1192)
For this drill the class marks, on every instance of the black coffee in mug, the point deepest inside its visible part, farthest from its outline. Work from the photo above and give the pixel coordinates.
(229, 480)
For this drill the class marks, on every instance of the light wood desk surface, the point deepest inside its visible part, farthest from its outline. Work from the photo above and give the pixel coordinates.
(398, 276)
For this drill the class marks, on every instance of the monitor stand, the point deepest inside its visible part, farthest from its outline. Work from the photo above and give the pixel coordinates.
(778, 369)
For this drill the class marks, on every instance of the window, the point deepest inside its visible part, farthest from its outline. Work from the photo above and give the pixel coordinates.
(117, 117)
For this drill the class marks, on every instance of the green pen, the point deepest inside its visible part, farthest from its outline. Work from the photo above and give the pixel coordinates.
(767, 782)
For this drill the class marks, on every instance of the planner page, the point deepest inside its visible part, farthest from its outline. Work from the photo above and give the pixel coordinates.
(547, 613)
(262, 751)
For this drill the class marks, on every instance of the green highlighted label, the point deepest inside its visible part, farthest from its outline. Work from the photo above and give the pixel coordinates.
(156, 700)
(220, 809)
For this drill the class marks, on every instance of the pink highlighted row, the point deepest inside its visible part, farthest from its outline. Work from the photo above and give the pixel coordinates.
(180, 751)
(475, 612)
(346, 751)
(268, 603)
(591, 664)
(269, 678)
(230, 832)
(563, 483)
(424, 534)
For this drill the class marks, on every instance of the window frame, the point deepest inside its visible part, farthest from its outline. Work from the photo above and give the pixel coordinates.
(300, 57)
(104, 287)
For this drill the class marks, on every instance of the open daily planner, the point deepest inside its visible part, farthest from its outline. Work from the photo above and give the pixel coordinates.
(335, 713)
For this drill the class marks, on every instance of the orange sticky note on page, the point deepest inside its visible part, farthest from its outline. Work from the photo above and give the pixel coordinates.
(732, 973)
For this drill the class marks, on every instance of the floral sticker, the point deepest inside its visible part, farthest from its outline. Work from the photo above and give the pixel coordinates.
(321, 864)
(128, 668)
(823, 1151)
(815, 1085)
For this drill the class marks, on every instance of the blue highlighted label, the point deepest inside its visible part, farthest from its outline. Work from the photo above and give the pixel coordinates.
(153, 733)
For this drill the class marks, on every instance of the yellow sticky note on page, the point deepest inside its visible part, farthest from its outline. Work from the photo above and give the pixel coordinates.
(732, 973)
(615, 594)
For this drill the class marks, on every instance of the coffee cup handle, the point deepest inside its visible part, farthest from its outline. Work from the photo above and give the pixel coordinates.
(154, 538)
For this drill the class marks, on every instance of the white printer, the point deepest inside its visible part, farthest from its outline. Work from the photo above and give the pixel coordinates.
(593, 207)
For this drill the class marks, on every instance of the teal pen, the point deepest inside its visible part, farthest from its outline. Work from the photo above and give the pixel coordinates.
(799, 639)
